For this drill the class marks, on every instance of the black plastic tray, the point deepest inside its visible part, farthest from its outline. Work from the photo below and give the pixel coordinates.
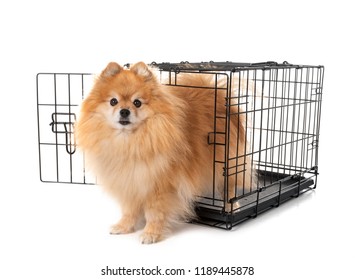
(278, 189)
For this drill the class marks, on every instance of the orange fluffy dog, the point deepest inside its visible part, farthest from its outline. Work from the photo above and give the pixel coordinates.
(147, 144)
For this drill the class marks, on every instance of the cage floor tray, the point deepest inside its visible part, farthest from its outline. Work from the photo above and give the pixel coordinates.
(280, 188)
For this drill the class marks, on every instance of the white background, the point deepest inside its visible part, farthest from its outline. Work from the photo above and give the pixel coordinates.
(53, 231)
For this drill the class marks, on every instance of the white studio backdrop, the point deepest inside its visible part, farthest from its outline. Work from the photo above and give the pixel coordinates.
(57, 231)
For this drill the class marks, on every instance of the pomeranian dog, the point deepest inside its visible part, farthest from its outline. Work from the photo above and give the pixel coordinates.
(150, 145)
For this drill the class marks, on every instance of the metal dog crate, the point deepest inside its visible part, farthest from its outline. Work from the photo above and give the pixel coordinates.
(282, 106)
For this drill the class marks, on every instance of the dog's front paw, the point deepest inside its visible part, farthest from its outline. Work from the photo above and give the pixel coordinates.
(149, 238)
(125, 225)
(121, 228)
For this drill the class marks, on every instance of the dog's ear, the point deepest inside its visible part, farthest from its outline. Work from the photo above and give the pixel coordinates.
(111, 70)
(142, 70)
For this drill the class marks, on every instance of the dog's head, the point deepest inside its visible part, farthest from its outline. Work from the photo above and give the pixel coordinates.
(124, 97)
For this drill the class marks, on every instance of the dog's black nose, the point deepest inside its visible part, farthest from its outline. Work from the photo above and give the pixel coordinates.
(124, 113)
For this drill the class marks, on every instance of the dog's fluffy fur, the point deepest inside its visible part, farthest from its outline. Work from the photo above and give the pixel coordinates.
(154, 156)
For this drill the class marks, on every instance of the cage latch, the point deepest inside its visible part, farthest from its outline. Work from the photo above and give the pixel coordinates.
(63, 123)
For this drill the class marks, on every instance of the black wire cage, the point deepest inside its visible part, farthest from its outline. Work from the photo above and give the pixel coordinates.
(281, 106)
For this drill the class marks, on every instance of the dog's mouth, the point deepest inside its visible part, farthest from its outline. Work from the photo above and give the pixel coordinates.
(124, 122)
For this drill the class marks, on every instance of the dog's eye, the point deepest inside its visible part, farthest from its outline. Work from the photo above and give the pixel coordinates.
(137, 103)
(113, 102)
